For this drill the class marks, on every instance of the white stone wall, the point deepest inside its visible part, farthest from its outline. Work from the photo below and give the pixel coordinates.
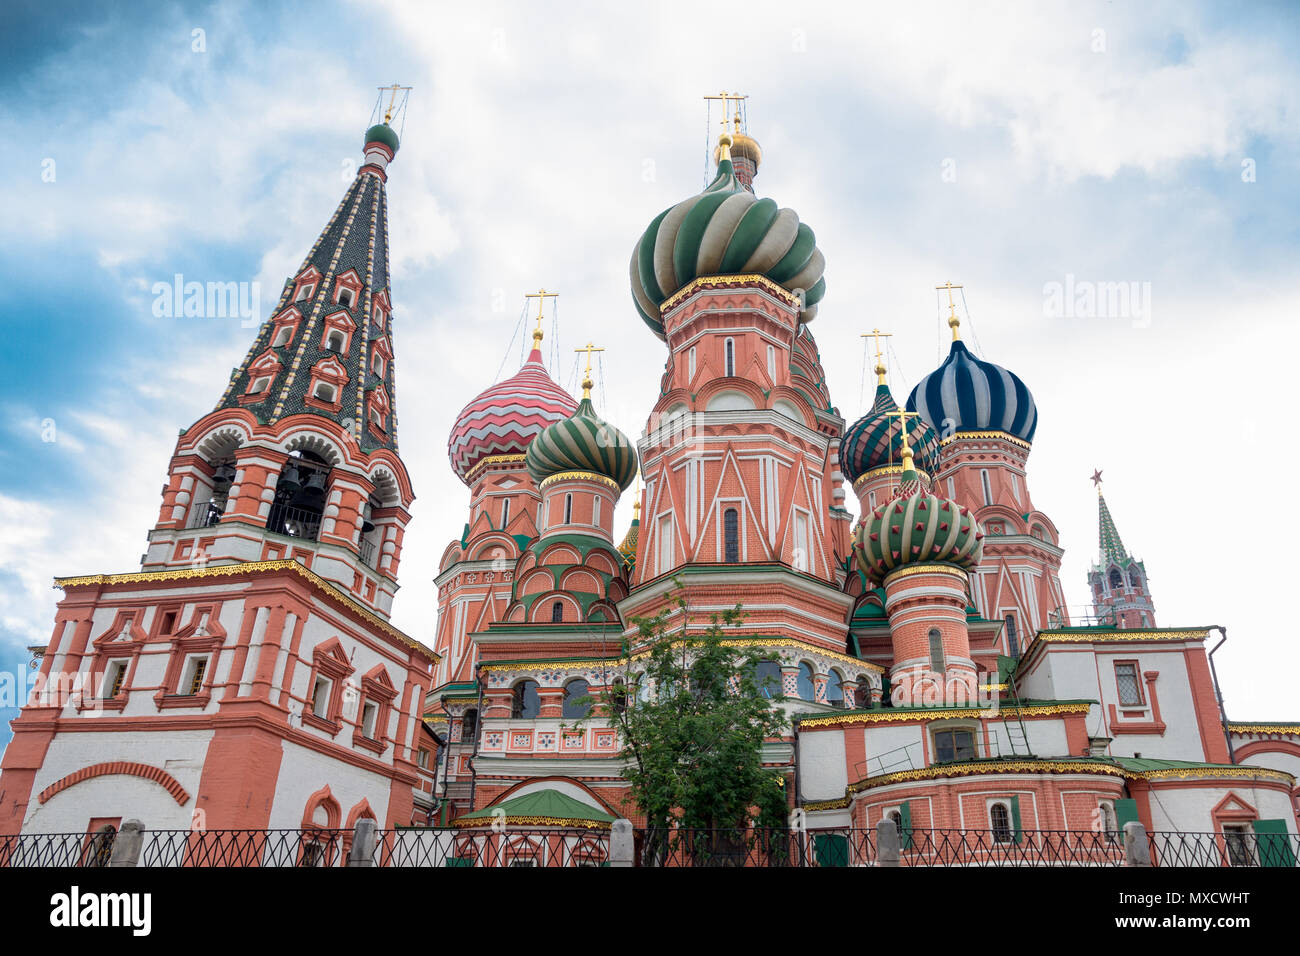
(304, 771)
(179, 753)
(1191, 809)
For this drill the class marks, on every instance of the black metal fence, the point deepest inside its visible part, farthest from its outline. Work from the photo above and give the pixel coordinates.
(560, 847)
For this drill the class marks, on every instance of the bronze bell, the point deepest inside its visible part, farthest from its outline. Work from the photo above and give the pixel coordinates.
(313, 492)
(223, 475)
(289, 481)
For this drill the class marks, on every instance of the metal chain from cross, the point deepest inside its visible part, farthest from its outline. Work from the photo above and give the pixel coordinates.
(727, 99)
(392, 99)
(541, 295)
(586, 378)
(953, 321)
(880, 365)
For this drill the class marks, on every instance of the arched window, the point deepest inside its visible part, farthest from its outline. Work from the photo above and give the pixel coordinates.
(300, 491)
(505, 512)
(325, 392)
(1013, 645)
(557, 612)
(574, 707)
(731, 536)
(937, 662)
(807, 689)
(618, 691)
(1116, 579)
(568, 509)
(767, 678)
(863, 701)
(469, 725)
(835, 688)
(690, 364)
(771, 362)
(1134, 579)
(730, 349)
(642, 687)
(1000, 820)
(336, 341)
(1109, 821)
(526, 704)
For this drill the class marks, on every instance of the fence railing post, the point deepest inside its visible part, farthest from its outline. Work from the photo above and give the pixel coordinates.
(127, 844)
(362, 852)
(1137, 851)
(888, 848)
(622, 843)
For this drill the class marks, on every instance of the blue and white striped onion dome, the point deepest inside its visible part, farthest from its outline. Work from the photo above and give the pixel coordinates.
(967, 394)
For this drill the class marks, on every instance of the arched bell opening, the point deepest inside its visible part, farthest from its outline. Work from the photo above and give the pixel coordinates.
(300, 495)
(211, 494)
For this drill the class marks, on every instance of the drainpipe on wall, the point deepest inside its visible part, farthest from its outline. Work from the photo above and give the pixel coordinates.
(1223, 714)
(478, 733)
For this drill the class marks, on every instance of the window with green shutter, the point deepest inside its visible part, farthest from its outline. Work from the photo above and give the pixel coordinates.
(1276, 845)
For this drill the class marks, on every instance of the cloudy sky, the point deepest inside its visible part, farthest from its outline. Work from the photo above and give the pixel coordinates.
(1012, 148)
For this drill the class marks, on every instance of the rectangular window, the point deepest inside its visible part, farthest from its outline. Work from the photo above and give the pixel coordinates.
(1237, 838)
(691, 364)
(595, 510)
(369, 714)
(950, 745)
(802, 555)
(422, 759)
(320, 698)
(984, 482)
(260, 385)
(1126, 679)
(505, 512)
(1015, 486)
(568, 509)
(730, 350)
(192, 681)
(113, 678)
(665, 543)
(345, 298)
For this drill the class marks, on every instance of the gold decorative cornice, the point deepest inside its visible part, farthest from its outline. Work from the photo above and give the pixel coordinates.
(572, 822)
(491, 461)
(580, 476)
(1232, 773)
(726, 282)
(248, 567)
(1118, 637)
(890, 715)
(1241, 728)
(929, 568)
(1000, 435)
(814, 806)
(992, 766)
(884, 471)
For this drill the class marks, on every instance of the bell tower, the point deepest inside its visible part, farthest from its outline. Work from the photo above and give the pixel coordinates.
(299, 459)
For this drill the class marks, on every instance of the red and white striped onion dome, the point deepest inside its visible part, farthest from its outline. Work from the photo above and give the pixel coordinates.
(504, 419)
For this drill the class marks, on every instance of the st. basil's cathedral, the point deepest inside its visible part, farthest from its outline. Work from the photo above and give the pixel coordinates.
(248, 677)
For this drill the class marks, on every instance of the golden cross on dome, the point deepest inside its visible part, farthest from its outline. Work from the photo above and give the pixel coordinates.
(586, 378)
(541, 295)
(953, 321)
(727, 99)
(880, 366)
(392, 98)
(903, 415)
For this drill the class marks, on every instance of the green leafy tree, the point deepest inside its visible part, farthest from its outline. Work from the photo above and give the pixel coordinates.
(692, 715)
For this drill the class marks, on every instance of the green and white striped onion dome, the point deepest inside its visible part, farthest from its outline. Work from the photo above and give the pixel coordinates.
(914, 527)
(725, 230)
(582, 442)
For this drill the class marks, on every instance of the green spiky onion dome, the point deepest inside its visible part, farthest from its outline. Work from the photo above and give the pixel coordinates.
(582, 442)
(914, 527)
(382, 133)
(725, 230)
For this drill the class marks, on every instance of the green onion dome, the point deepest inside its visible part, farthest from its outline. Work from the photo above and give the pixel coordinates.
(582, 442)
(914, 527)
(725, 230)
(382, 133)
(875, 440)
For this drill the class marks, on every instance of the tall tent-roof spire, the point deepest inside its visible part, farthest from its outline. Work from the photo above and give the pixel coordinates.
(327, 348)
(1108, 540)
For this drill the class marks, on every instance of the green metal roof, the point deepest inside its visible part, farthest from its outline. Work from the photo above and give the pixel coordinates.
(542, 804)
